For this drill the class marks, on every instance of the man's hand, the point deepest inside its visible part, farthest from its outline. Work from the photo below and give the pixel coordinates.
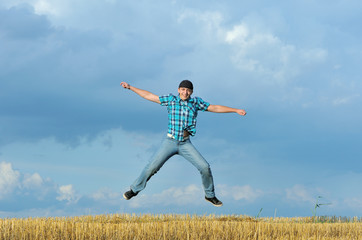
(241, 112)
(125, 85)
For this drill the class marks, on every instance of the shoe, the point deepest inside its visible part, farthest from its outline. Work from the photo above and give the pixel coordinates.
(129, 194)
(216, 202)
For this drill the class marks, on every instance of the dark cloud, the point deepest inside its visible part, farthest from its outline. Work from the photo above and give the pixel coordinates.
(20, 23)
(63, 82)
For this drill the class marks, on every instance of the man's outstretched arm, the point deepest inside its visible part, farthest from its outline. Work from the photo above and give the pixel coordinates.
(224, 109)
(143, 93)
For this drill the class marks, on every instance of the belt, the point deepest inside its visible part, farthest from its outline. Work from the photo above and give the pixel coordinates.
(173, 137)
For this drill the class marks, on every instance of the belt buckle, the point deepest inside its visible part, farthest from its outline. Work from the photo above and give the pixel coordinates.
(171, 136)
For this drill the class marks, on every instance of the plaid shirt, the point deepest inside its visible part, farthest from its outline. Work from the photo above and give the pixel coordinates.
(182, 114)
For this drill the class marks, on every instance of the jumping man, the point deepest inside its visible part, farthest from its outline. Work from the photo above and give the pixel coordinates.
(182, 113)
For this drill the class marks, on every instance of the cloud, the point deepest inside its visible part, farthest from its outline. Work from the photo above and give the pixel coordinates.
(33, 181)
(31, 189)
(9, 179)
(68, 193)
(345, 100)
(50, 59)
(300, 193)
(74, 75)
(238, 193)
(191, 195)
(208, 21)
(263, 53)
(23, 194)
(176, 196)
(35, 196)
(19, 23)
(106, 194)
(46, 7)
(253, 47)
(75, 69)
(238, 33)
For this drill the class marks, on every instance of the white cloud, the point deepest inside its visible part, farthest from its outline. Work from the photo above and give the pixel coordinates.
(253, 47)
(193, 194)
(9, 179)
(300, 193)
(261, 52)
(68, 193)
(238, 193)
(48, 7)
(313, 56)
(32, 181)
(32, 187)
(45, 7)
(344, 100)
(107, 196)
(239, 33)
(210, 20)
(179, 196)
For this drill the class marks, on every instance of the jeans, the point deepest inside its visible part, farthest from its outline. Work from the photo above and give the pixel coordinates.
(169, 148)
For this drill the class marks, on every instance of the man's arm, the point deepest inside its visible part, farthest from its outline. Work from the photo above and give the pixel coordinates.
(143, 93)
(224, 109)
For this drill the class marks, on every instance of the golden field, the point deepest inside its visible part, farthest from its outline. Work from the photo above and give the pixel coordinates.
(168, 226)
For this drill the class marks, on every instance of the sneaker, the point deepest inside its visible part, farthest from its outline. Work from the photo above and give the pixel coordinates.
(216, 202)
(129, 194)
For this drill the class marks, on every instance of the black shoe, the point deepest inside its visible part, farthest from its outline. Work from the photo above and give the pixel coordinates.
(216, 202)
(129, 194)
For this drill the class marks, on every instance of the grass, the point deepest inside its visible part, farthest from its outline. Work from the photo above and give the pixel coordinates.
(169, 226)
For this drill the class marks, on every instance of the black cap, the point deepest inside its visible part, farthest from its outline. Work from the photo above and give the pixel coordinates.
(186, 84)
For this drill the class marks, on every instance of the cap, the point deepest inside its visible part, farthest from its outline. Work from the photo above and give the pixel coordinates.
(186, 84)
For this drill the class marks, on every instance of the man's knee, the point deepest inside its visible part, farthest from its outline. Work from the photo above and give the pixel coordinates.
(205, 169)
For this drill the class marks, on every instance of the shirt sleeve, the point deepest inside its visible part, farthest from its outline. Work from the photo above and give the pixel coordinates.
(201, 104)
(165, 99)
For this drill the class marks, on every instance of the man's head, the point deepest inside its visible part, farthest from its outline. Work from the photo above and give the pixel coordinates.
(185, 89)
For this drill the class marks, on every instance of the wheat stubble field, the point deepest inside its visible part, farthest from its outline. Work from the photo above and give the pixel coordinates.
(169, 226)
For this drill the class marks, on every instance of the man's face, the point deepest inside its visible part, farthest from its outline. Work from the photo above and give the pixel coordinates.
(185, 93)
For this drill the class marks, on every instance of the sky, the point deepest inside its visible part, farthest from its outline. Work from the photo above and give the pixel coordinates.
(72, 140)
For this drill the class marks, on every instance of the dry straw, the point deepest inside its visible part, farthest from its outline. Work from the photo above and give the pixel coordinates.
(126, 226)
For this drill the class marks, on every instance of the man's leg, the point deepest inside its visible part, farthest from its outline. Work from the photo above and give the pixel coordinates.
(167, 149)
(189, 152)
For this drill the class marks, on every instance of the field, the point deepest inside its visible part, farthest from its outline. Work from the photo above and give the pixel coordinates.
(149, 227)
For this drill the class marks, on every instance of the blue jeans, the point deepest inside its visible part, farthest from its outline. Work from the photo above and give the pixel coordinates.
(169, 148)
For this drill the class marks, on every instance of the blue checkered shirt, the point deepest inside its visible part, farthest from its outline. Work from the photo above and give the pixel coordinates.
(182, 114)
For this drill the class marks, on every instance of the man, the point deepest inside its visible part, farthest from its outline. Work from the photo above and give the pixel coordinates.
(182, 113)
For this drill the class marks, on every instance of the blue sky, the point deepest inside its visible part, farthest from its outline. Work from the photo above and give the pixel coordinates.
(72, 140)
